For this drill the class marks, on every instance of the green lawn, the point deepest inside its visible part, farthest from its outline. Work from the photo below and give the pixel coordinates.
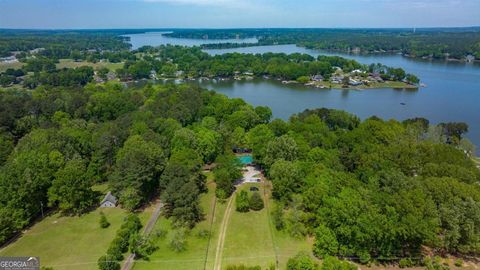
(73, 243)
(194, 257)
(69, 63)
(4, 66)
(249, 238)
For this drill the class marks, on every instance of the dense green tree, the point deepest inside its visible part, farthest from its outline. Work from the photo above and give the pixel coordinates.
(256, 202)
(71, 190)
(301, 261)
(242, 202)
(325, 242)
(137, 169)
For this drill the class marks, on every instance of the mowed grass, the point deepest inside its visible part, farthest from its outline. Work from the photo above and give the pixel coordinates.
(248, 238)
(4, 66)
(70, 63)
(73, 243)
(194, 256)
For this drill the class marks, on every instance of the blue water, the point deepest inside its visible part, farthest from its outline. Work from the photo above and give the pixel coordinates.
(452, 92)
(246, 159)
(157, 39)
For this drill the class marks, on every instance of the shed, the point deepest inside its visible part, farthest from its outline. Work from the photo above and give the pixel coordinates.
(109, 200)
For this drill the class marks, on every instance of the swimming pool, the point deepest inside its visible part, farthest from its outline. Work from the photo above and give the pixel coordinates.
(245, 160)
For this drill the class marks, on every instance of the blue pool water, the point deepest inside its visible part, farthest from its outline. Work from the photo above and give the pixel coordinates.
(246, 159)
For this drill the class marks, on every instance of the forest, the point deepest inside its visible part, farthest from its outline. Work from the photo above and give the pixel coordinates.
(189, 62)
(432, 43)
(370, 190)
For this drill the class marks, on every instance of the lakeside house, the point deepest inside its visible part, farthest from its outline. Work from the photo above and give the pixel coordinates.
(337, 79)
(9, 59)
(354, 82)
(109, 201)
(317, 78)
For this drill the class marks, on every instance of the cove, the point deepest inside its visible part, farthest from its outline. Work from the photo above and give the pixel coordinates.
(452, 92)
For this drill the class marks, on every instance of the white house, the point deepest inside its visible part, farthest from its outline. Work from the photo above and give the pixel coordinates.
(109, 200)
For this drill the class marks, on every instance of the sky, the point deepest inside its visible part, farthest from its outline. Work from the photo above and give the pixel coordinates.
(83, 14)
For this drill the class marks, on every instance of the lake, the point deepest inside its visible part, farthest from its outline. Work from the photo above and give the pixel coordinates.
(157, 39)
(452, 92)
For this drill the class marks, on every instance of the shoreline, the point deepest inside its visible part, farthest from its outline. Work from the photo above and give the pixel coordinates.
(311, 86)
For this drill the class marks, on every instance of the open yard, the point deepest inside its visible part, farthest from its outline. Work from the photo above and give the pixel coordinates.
(73, 243)
(249, 238)
(194, 257)
(4, 66)
(69, 63)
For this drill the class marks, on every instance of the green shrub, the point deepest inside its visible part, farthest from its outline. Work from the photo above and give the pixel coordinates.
(333, 263)
(277, 217)
(326, 243)
(301, 261)
(242, 202)
(203, 234)
(458, 262)
(108, 263)
(103, 221)
(405, 262)
(160, 233)
(256, 202)
(178, 242)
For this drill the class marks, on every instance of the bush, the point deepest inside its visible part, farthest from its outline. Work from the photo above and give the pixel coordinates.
(203, 234)
(364, 257)
(458, 262)
(160, 233)
(301, 261)
(141, 246)
(256, 202)
(178, 242)
(277, 217)
(108, 263)
(405, 262)
(242, 202)
(333, 263)
(103, 221)
(434, 264)
(325, 242)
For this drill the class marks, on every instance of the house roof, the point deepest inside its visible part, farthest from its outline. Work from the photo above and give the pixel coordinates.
(109, 198)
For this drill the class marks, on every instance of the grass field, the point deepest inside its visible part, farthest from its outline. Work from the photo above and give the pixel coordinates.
(69, 63)
(4, 66)
(195, 255)
(249, 239)
(73, 243)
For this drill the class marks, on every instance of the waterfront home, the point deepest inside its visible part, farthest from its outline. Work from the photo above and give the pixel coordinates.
(354, 82)
(153, 75)
(317, 78)
(470, 58)
(9, 59)
(337, 79)
(37, 50)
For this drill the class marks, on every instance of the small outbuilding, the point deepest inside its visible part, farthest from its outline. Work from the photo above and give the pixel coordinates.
(109, 201)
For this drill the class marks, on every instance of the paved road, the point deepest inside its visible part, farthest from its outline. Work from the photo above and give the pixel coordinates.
(146, 231)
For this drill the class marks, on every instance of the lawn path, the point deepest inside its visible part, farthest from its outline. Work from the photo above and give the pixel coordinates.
(221, 237)
(146, 231)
